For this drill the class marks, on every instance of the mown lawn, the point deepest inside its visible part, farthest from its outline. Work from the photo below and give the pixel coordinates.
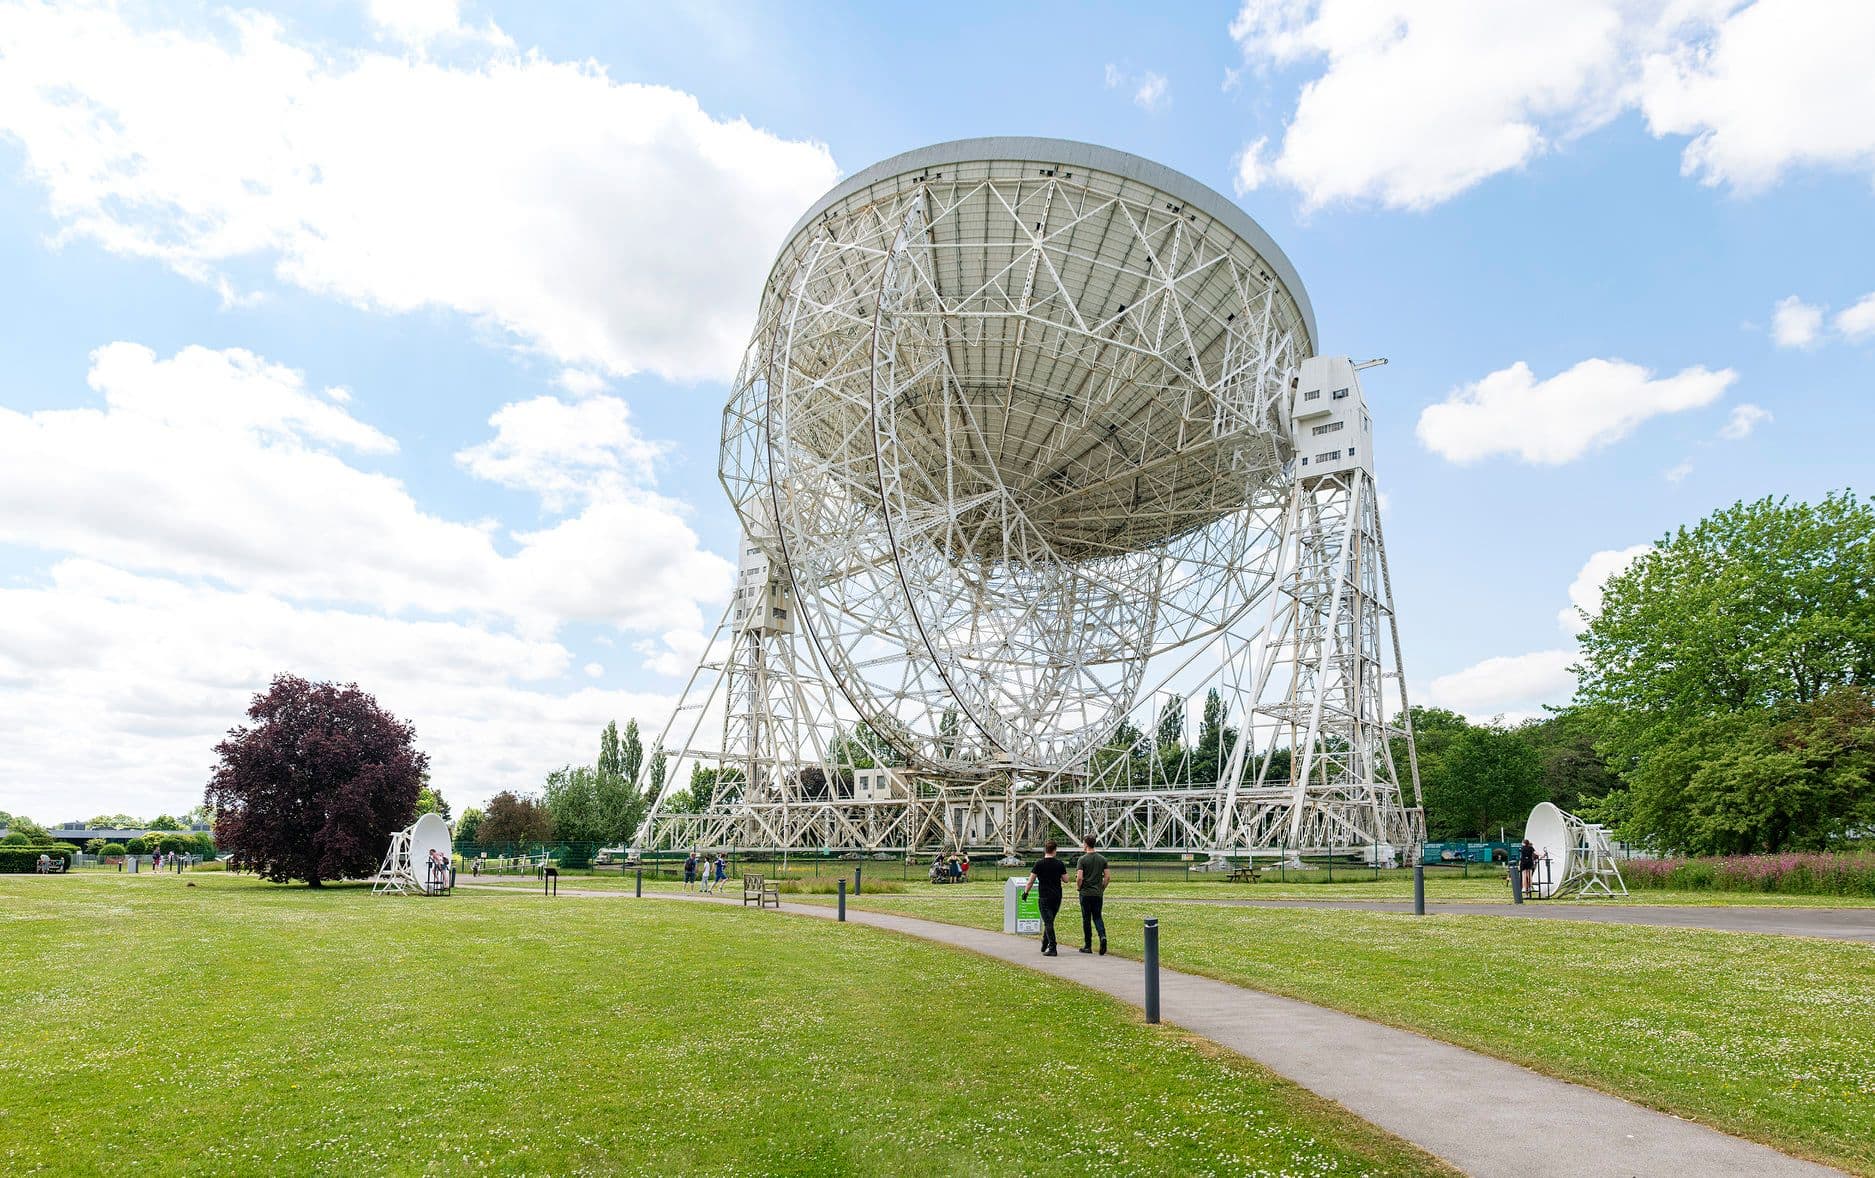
(1771, 1038)
(238, 1027)
(1440, 888)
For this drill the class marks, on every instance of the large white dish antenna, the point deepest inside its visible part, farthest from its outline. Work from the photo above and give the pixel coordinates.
(429, 833)
(1548, 831)
(1015, 420)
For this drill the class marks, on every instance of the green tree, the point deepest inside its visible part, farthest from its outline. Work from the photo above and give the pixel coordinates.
(1796, 777)
(35, 833)
(430, 800)
(1713, 642)
(611, 763)
(631, 752)
(1485, 777)
(619, 801)
(165, 822)
(512, 819)
(571, 796)
(1575, 776)
(468, 825)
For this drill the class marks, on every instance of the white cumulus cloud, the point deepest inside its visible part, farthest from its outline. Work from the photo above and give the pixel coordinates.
(219, 464)
(1585, 592)
(1512, 686)
(1795, 323)
(1744, 419)
(124, 682)
(1416, 101)
(614, 226)
(564, 452)
(1563, 417)
(1857, 321)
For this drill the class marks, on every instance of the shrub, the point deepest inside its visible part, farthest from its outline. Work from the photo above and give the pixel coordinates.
(113, 851)
(137, 846)
(1792, 874)
(576, 855)
(18, 838)
(819, 886)
(18, 860)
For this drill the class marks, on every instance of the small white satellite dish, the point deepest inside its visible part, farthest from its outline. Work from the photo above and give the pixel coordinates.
(1571, 855)
(428, 833)
(1548, 831)
(407, 864)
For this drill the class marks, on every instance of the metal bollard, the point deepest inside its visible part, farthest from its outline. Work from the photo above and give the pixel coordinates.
(842, 899)
(1419, 889)
(1516, 884)
(856, 880)
(639, 888)
(1152, 969)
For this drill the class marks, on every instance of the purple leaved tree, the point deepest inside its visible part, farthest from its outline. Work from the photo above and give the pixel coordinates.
(313, 787)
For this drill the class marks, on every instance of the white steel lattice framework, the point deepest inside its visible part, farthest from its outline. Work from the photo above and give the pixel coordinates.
(1029, 444)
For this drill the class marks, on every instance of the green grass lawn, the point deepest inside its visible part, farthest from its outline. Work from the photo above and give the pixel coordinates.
(238, 1027)
(1767, 1037)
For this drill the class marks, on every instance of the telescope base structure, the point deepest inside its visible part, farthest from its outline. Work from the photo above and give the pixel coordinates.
(1149, 821)
(1309, 666)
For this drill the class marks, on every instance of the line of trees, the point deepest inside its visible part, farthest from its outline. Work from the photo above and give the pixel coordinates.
(597, 803)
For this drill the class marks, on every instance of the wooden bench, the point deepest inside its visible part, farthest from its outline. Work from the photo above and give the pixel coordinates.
(762, 891)
(1248, 874)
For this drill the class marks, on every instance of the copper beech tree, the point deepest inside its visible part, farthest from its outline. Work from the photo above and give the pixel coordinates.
(314, 785)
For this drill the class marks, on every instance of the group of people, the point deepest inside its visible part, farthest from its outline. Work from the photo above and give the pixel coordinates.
(705, 873)
(1091, 877)
(950, 869)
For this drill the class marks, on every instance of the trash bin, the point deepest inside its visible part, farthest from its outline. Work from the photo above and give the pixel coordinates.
(1022, 915)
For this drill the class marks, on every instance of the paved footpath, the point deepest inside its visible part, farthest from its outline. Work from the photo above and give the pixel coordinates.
(1842, 924)
(1839, 924)
(1482, 1115)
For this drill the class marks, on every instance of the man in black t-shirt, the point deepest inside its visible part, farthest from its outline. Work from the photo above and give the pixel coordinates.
(1091, 876)
(1048, 873)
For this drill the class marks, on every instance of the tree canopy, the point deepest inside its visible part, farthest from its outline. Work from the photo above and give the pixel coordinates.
(314, 785)
(510, 818)
(1726, 675)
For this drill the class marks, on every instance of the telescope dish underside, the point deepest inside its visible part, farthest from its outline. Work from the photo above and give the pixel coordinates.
(1014, 420)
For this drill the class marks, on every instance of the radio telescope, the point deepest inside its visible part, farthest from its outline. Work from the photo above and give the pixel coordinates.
(1031, 448)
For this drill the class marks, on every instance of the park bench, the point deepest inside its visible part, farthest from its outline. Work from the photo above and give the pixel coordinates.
(1249, 873)
(762, 891)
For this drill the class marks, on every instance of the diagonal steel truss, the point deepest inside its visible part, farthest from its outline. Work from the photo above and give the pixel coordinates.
(1020, 454)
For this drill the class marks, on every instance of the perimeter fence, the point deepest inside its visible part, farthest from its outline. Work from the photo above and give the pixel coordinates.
(592, 859)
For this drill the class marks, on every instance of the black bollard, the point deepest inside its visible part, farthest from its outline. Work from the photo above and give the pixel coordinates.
(639, 890)
(842, 899)
(1152, 969)
(1516, 884)
(1419, 889)
(856, 879)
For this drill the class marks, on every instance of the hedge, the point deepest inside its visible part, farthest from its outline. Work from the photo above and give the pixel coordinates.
(16, 860)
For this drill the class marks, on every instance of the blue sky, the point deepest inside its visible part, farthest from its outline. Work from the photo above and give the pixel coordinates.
(387, 341)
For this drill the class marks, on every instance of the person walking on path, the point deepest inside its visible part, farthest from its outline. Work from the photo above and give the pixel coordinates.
(722, 871)
(1526, 865)
(1047, 873)
(690, 870)
(1091, 875)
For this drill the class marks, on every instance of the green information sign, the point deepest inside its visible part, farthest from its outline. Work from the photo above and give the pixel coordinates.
(1029, 911)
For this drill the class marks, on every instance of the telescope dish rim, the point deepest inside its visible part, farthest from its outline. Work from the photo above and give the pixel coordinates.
(1092, 156)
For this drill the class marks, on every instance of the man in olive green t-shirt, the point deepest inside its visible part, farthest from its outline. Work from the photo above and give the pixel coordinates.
(1090, 879)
